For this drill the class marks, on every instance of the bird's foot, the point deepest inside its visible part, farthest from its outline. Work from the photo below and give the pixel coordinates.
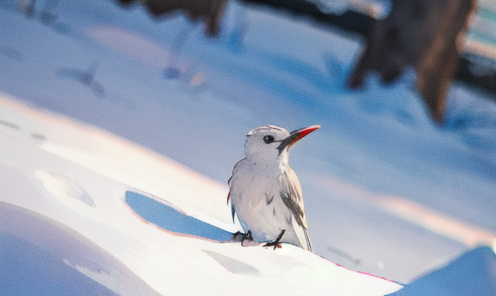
(238, 236)
(276, 243)
(244, 238)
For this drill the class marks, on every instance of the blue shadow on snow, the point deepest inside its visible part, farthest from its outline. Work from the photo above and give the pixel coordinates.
(172, 220)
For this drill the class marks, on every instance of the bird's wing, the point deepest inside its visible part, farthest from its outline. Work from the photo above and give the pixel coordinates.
(229, 184)
(229, 196)
(292, 198)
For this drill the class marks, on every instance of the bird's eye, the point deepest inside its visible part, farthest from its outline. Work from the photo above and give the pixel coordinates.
(268, 139)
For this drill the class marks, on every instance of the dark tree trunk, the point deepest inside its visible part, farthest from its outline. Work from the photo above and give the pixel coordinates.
(423, 34)
(210, 11)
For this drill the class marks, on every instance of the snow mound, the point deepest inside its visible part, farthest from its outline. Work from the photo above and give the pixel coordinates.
(473, 273)
(68, 213)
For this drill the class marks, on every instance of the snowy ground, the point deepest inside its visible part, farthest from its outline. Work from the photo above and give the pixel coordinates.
(386, 191)
(62, 205)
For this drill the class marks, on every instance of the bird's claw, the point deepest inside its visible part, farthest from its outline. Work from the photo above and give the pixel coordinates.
(270, 244)
(246, 239)
(241, 237)
(276, 243)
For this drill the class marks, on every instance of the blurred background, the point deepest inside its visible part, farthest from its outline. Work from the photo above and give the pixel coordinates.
(400, 179)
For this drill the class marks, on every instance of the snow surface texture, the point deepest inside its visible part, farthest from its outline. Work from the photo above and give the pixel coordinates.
(386, 191)
(64, 207)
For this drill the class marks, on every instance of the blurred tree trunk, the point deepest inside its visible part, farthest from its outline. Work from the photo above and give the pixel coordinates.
(423, 34)
(210, 11)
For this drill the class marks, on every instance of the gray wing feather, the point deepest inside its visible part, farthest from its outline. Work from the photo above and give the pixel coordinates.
(292, 198)
(233, 212)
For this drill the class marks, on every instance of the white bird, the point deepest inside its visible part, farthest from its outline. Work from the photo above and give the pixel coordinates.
(265, 192)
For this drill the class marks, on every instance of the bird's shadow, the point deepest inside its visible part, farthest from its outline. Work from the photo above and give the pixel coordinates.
(171, 219)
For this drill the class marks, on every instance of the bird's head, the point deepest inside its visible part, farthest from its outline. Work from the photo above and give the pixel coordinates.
(270, 144)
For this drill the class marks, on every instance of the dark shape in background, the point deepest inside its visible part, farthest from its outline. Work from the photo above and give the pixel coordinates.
(351, 21)
(46, 14)
(363, 25)
(11, 53)
(210, 11)
(172, 71)
(423, 34)
(86, 77)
